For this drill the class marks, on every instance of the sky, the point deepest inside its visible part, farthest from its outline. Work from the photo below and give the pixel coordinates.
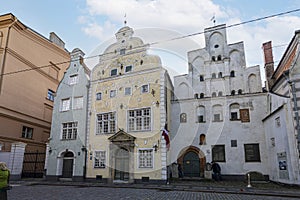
(91, 24)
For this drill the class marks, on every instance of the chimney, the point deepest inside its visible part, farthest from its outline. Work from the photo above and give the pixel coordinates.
(269, 63)
(56, 40)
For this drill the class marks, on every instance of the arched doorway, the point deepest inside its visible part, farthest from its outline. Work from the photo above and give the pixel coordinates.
(192, 161)
(122, 165)
(67, 169)
(191, 165)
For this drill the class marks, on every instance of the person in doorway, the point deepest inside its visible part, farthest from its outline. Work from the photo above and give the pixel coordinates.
(216, 171)
(4, 180)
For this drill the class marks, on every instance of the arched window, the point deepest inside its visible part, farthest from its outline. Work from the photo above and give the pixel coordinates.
(213, 94)
(233, 92)
(196, 96)
(220, 94)
(201, 95)
(183, 118)
(217, 113)
(240, 91)
(220, 75)
(202, 139)
(219, 57)
(234, 110)
(232, 74)
(213, 58)
(213, 75)
(201, 114)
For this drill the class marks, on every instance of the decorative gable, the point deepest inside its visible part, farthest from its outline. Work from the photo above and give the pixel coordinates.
(121, 136)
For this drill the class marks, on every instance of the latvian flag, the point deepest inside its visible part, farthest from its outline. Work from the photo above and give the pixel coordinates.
(165, 133)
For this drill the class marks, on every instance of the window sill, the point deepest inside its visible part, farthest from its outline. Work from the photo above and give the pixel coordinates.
(201, 122)
(218, 121)
(235, 119)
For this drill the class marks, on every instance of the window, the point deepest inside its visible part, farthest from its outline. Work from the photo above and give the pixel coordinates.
(69, 131)
(218, 153)
(213, 75)
(217, 111)
(240, 91)
(183, 118)
(233, 92)
(201, 78)
(220, 94)
(213, 58)
(27, 132)
(65, 104)
(217, 118)
(220, 75)
(106, 123)
(98, 96)
(78, 103)
(113, 72)
(252, 152)
(146, 158)
(128, 68)
(219, 57)
(201, 95)
(122, 51)
(196, 96)
(245, 115)
(112, 93)
(232, 74)
(145, 89)
(202, 139)
(50, 95)
(99, 159)
(233, 143)
(234, 111)
(277, 122)
(214, 94)
(201, 114)
(73, 79)
(139, 120)
(127, 91)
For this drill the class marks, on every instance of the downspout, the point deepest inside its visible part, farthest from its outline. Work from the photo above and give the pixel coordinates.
(86, 130)
(4, 54)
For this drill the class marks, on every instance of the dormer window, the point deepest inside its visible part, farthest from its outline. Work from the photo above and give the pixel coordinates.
(113, 72)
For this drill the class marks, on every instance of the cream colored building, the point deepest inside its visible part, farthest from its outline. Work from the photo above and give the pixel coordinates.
(129, 107)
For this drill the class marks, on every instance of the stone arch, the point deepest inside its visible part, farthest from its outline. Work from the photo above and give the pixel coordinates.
(184, 90)
(252, 83)
(66, 163)
(235, 58)
(200, 155)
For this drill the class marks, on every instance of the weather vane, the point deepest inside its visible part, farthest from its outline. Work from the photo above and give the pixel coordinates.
(125, 22)
(213, 19)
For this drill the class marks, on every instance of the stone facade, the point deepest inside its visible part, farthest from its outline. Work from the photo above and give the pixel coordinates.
(66, 152)
(129, 106)
(217, 111)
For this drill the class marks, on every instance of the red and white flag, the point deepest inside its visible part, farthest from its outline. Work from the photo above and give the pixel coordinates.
(165, 133)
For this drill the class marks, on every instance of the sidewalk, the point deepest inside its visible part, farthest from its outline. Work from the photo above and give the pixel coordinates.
(230, 187)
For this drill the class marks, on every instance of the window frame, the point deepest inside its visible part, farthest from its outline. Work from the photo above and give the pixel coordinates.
(221, 150)
(256, 157)
(126, 94)
(50, 95)
(112, 93)
(183, 118)
(76, 105)
(73, 79)
(114, 70)
(136, 121)
(142, 88)
(106, 122)
(101, 161)
(25, 133)
(130, 67)
(65, 131)
(145, 162)
(98, 96)
(63, 107)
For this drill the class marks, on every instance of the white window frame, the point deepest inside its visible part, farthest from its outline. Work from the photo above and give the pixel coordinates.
(130, 67)
(148, 88)
(70, 131)
(136, 118)
(78, 102)
(98, 94)
(101, 160)
(65, 104)
(112, 93)
(50, 95)
(103, 122)
(27, 132)
(73, 79)
(145, 166)
(112, 71)
(127, 94)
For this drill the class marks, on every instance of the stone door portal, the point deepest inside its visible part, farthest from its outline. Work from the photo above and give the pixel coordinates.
(67, 170)
(122, 165)
(191, 165)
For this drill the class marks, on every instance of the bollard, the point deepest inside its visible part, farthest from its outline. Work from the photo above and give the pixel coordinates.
(249, 181)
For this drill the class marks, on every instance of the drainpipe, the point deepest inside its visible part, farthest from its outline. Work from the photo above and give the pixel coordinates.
(4, 53)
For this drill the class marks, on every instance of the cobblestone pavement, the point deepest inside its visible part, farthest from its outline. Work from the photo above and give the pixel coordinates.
(52, 192)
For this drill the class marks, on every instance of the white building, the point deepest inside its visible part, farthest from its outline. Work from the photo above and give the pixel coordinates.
(217, 111)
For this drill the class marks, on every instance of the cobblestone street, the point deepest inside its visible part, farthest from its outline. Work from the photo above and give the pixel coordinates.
(49, 192)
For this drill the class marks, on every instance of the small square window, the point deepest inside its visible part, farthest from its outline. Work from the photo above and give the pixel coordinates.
(65, 104)
(78, 103)
(217, 118)
(128, 68)
(73, 79)
(122, 51)
(234, 116)
(113, 72)
(127, 91)
(252, 153)
(98, 96)
(201, 78)
(145, 89)
(218, 153)
(233, 143)
(113, 93)
(200, 118)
